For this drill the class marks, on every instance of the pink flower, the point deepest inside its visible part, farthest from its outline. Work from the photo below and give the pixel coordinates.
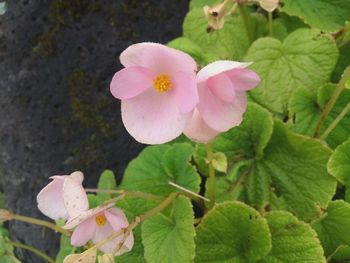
(64, 197)
(222, 101)
(98, 224)
(158, 91)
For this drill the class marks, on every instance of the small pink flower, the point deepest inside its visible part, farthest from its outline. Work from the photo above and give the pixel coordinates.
(158, 91)
(64, 197)
(222, 101)
(98, 224)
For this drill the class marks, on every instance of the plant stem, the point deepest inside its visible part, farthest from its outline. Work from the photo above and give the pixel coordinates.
(32, 249)
(329, 106)
(39, 222)
(336, 121)
(211, 181)
(194, 196)
(270, 23)
(246, 22)
(143, 195)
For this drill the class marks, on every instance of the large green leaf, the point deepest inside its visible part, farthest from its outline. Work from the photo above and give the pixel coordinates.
(296, 166)
(339, 163)
(306, 58)
(230, 42)
(188, 46)
(333, 227)
(307, 108)
(170, 238)
(292, 240)
(232, 232)
(328, 15)
(152, 170)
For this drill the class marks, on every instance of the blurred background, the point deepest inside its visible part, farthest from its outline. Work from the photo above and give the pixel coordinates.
(57, 115)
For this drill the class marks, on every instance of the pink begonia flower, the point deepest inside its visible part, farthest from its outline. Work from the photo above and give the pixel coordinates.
(269, 5)
(64, 197)
(98, 224)
(158, 91)
(222, 102)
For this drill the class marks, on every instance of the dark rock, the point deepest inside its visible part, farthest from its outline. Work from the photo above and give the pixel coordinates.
(57, 115)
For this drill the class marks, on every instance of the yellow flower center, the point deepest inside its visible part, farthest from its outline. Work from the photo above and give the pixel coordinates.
(100, 220)
(162, 83)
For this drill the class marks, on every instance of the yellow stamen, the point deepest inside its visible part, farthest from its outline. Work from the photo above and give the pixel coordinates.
(100, 220)
(162, 83)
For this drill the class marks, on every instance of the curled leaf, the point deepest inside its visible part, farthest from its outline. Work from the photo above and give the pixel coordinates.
(88, 256)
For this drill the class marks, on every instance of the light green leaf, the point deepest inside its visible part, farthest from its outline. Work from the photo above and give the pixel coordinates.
(307, 108)
(292, 240)
(226, 190)
(188, 46)
(94, 200)
(333, 227)
(306, 58)
(296, 166)
(327, 15)
(106, 182)
(232, 232)
(170, 238)
(343, 62)
(339, 163)
(230, 42)
(152, 170)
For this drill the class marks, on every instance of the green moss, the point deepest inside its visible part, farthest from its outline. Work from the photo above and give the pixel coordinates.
(61, 13)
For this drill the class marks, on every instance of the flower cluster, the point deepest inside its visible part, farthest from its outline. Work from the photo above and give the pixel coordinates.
(163, 96)
(65, 198)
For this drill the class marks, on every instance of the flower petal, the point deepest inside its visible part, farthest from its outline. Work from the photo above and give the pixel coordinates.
(83, 232)
(221, 86)
(75, 198)
(157, 57)
(198, 131)
(153, 118)
(116, 218)
(50, 199)
(104, 232)
(220, 115)
(217, 67)
(185, 90)
(73, 222)
(132, 81)
(243, 78)
(77, 176)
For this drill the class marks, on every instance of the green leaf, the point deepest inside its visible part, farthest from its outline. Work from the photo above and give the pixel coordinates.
(170, 238)
(292, 240)
(94, 200)
(106, 182)
(296, 166)
(327, 15)
(333, 227)
(152, 170)
(225, 190)
(307, 108)
(343, 62)
(230, 42)
(306, 58)
(188, 46)
(133, 207)
(232, 232)
(339, 163)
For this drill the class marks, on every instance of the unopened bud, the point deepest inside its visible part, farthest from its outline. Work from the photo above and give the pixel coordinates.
(269, 5)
